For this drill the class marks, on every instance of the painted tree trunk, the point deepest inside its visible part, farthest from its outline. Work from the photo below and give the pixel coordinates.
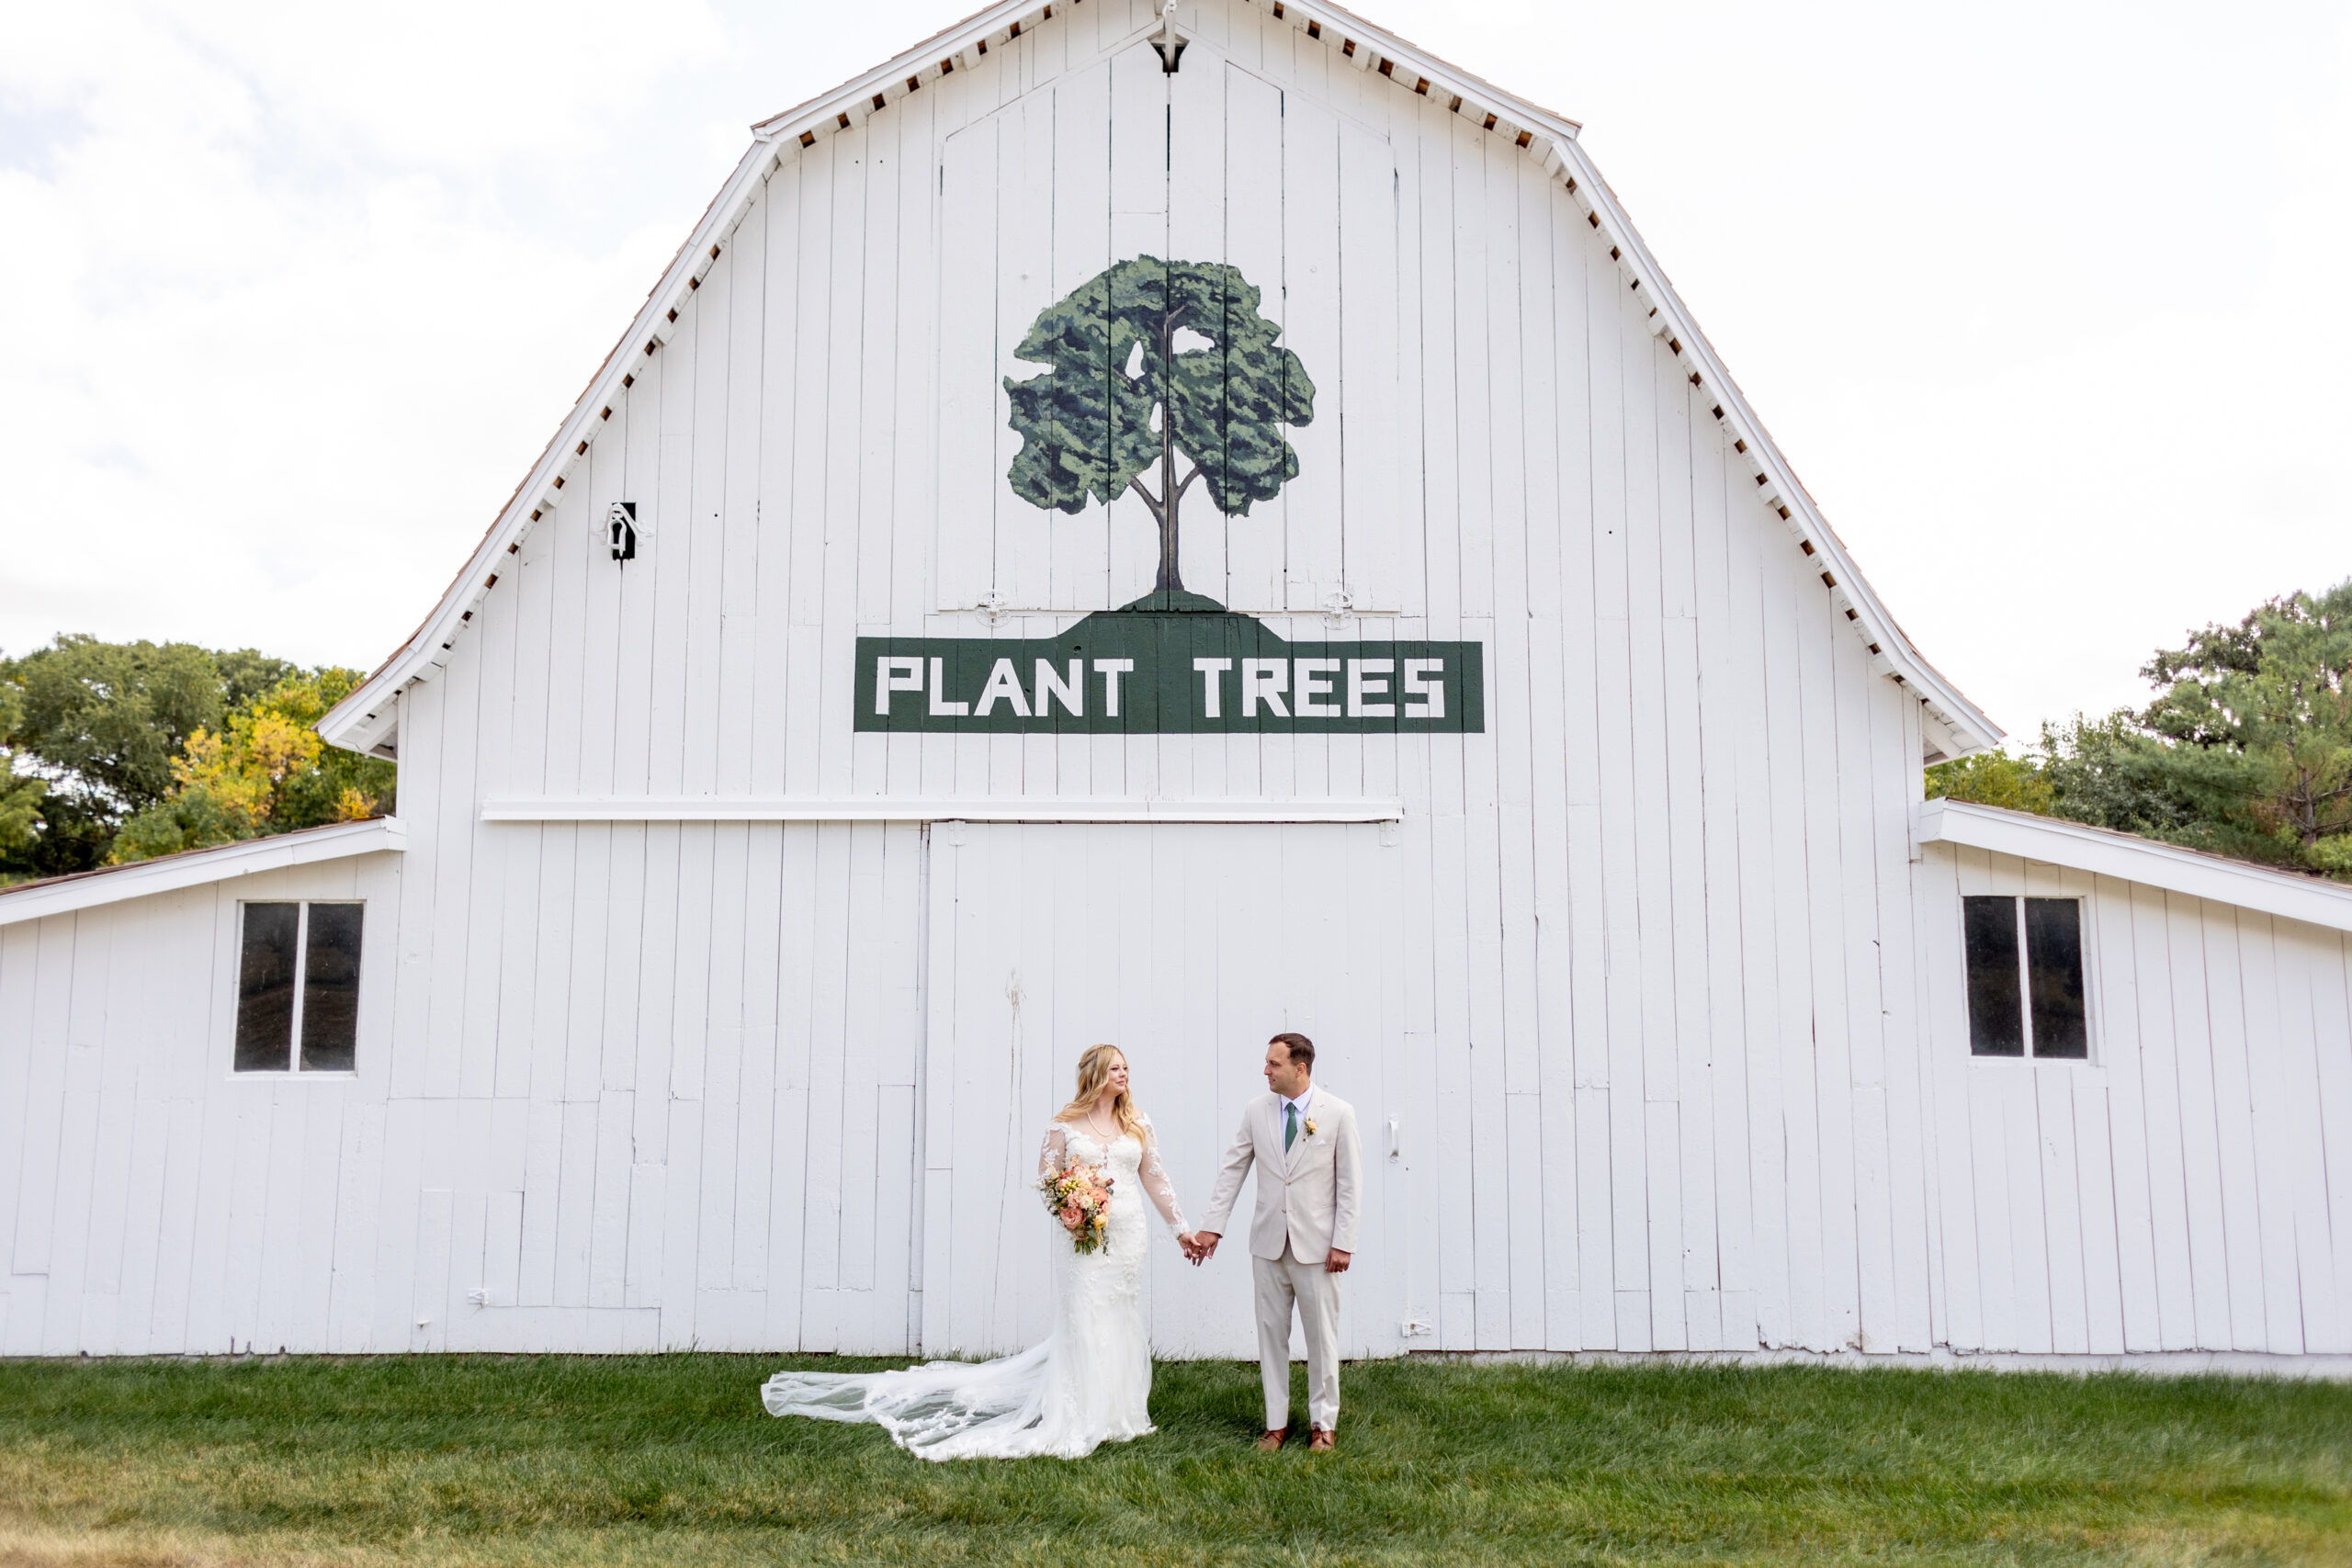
(1171, 577)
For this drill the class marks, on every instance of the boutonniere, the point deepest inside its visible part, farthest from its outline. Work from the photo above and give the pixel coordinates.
(1310, 1126)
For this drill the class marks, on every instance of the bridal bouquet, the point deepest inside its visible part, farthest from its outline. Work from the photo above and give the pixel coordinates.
(1079, 1196)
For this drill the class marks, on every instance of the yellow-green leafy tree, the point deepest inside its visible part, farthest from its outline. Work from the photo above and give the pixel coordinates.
(21, 795)
(1992, 778)
(90, 730)
(264, 770)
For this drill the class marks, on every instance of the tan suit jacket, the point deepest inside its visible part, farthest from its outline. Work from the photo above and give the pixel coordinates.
(1308, 1198)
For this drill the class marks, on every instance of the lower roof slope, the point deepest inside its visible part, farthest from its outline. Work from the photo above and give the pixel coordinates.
(194, 868)
(2127, 857)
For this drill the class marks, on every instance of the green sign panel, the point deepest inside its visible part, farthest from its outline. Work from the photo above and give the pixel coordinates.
(1138, 671)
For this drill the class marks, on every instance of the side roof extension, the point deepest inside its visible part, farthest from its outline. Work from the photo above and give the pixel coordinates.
(193, 868)
(2127, 857)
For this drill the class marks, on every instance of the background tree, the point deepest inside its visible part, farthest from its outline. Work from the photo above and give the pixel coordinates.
(265, 770)
(2247, 749)
(2258, 721)
(2111, 773)
(95, 736)
(20, 799)
(1086, 425)
(98, 724)
(1994, 778)
(104, 719)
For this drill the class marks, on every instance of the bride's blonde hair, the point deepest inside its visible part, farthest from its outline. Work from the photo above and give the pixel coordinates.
(1093, 1072)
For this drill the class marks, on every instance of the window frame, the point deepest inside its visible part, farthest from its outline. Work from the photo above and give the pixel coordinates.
(293, 1071)
(2018, 897)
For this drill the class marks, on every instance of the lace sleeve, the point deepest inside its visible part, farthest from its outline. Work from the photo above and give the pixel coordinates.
(1154, 1175)
(1050, 1158)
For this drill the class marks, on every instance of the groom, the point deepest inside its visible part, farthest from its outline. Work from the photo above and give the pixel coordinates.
(1310, 1178)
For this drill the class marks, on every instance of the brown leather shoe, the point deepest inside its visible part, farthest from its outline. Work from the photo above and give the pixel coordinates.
(1273, 1440)
(1320, 1439)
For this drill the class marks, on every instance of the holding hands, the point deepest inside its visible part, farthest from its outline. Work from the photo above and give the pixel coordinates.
(1200, 1245)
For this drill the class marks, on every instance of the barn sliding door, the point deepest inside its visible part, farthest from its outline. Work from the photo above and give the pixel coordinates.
(1116, 161)
(1187, 946)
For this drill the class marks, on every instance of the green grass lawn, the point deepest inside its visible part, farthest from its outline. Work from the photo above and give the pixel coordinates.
(669, 1459)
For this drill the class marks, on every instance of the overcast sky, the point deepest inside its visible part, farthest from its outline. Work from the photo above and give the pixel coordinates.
(2047, 303)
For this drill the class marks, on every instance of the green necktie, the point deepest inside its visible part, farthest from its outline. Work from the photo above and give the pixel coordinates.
(1290, 1125)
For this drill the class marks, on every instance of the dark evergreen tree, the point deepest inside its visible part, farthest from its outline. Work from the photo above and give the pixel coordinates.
(2247, 749)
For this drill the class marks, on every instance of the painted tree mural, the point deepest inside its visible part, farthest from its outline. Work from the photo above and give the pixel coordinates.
(1221, 398)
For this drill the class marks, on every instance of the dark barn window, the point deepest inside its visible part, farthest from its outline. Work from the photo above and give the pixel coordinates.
(2053, 962)
(298, 988)
(265, 986)
(2025, 977)
(331, 987)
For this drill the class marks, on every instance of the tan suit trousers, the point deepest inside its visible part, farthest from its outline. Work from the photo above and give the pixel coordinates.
(1284, 1284)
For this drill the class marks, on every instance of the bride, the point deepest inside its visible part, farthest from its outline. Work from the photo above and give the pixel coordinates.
(1090, 1380)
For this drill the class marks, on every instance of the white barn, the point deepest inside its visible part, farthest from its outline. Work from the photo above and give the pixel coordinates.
(817, 753)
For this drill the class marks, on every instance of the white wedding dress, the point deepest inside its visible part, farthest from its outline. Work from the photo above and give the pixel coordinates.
(1089, 1383)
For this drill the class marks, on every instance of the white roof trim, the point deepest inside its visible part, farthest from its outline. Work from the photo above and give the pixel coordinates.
(1891, 651)
(2129, 858)
(194, 868)
(930, 809)
(1955, 726)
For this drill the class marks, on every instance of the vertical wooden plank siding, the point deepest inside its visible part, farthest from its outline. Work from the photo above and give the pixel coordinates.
(1666, 1008)
(2331, 992)
(2298, 1120)
(2122, 1050)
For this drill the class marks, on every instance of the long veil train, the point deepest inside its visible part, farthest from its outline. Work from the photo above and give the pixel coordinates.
(941, 1409)
(1087, 1384)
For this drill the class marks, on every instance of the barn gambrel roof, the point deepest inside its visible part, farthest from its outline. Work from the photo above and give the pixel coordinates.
(367, 720)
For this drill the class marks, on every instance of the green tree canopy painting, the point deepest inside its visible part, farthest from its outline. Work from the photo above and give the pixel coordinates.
(1088, 424)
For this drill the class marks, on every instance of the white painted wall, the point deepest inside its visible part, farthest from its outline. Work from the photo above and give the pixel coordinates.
(152, 1200)
(1187, 945)
(2188, 1186)
(1648, 973)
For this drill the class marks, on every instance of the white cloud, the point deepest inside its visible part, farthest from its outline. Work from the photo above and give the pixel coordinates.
(290, 308)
